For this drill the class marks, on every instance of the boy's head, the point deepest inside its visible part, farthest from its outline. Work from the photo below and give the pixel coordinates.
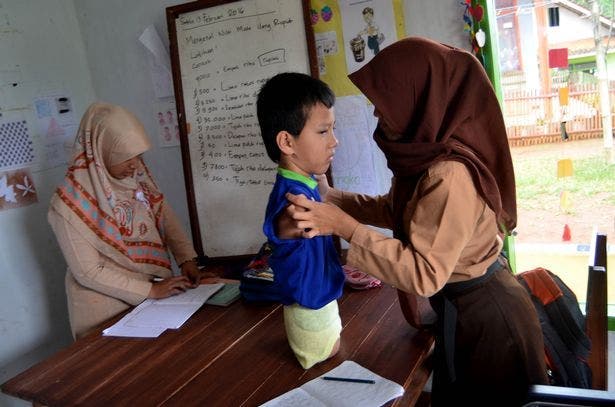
(284, 104)
(368, 11)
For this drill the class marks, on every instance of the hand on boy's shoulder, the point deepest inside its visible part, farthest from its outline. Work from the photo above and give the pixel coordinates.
(286, 226)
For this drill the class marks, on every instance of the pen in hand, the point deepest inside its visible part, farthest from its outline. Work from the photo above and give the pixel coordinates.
(348, 379)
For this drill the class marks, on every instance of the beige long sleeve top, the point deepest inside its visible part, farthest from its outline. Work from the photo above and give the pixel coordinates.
(93, 270)
(453, 234)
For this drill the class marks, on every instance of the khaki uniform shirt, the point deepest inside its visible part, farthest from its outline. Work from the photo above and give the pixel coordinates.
(453, 234)
(98, 288)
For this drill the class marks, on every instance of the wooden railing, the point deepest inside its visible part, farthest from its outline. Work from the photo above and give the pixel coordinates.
(535, 118)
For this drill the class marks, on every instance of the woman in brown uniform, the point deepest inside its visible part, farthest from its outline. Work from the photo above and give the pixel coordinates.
(452, 200)
(113, 224)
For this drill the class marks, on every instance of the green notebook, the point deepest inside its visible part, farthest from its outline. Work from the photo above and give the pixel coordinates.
(226, 296)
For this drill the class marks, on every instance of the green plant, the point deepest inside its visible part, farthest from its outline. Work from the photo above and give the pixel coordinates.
(593, 177)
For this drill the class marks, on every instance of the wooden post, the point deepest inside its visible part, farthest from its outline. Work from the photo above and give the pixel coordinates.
(596, 312)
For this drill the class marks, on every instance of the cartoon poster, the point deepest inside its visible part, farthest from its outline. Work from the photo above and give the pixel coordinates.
(368, 27)
(166, 121)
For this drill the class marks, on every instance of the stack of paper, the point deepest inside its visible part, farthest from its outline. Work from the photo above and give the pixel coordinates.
(330, 393)
(152, 317)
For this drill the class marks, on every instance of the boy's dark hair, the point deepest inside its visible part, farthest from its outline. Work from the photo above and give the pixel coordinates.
(283, 104)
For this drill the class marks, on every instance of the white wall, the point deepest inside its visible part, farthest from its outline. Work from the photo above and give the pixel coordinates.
(41, 50)
(90, 49)
(120, 74)
(439, 20)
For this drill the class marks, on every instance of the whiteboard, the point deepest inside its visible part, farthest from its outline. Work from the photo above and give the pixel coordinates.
(222, 53)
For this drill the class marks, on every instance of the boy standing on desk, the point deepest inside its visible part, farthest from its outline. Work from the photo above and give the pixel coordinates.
(296, 117)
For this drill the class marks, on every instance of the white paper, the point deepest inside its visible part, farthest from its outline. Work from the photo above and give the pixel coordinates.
(319, 392)
(134, 332)
(295, 398)
(359, 165)
(152, 317)
(326, 44)
(160, 62)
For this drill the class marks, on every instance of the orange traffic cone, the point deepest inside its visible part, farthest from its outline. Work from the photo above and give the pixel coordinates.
(566, 235)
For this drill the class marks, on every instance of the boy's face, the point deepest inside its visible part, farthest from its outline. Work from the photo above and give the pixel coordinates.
(313, 150)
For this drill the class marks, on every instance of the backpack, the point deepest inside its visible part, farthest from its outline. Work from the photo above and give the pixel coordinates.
(563, 327)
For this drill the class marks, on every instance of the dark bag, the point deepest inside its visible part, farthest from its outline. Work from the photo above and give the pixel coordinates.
(563, 327)
(257, 280)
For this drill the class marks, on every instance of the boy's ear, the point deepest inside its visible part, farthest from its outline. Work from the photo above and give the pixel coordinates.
(285, 142)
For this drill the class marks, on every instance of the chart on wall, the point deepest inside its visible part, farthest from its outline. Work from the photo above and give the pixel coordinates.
(222, 54)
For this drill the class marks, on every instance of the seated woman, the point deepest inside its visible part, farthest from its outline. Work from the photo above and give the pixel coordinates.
(113, 224)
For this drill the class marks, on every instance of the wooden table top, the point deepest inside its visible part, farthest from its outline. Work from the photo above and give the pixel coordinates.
(226, 356)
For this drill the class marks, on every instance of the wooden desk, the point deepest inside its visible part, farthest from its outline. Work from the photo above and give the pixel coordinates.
(234, 356)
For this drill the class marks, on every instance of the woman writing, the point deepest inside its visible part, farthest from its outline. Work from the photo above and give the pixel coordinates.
(452, 200)
(113, 225)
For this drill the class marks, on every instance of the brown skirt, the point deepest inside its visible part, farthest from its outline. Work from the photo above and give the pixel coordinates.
(498, 345)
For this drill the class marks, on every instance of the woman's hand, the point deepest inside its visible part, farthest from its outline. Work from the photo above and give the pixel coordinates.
(168, 287)
(286, 226)
(317, 218)
(191, 271)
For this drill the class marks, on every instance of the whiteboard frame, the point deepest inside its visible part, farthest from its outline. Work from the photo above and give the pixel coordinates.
(173, 13)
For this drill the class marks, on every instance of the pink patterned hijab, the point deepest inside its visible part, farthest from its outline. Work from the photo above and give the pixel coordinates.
(121, 218)
(441, 102)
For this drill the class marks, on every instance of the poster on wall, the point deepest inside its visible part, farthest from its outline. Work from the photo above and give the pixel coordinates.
(326, 45)
(359, 165)
(159, 62)
(57, 127)
(16, 189)
(368, 27)
(166, 121)
(16, 147)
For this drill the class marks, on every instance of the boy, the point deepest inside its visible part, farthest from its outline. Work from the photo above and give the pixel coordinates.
(296, 117)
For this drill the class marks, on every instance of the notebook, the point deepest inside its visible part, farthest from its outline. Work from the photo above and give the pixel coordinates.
(327, 393)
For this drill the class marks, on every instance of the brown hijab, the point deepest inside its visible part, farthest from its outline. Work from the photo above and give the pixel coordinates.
(439, 99)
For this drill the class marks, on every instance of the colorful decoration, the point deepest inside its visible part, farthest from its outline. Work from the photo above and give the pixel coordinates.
(326, 13)
(314, 16)
(566, 235)
(472, 16)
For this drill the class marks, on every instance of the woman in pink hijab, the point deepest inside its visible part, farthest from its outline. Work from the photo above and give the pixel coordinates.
(451, 203)
(113, 224)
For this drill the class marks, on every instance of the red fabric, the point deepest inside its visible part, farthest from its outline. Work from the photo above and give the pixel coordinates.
(566, 236)
(558, 58)
(542, 285)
